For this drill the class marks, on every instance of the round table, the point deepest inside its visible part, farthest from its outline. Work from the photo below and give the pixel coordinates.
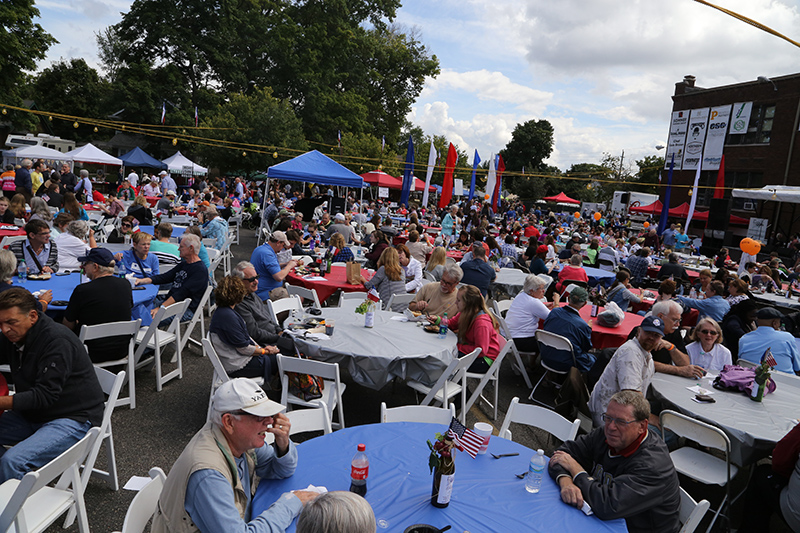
(177, 231)
(335, 280)
(508, 280)
(772, 299)
(752, 427)
(603, 337)
(693, 275)
(62, 287)
(375, 356)
(487, 496)
(10, 230)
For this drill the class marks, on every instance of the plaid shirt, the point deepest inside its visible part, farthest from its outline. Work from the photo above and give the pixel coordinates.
(508, 250)
(638, 267)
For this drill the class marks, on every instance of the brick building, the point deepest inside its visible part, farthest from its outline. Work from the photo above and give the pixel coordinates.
(759, 151)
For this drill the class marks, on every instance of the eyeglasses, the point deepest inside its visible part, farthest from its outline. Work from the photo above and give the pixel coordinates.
(448, 283)
(44, 234)
(617, 421)
(250, 280)
(259, 419)
(709, 332)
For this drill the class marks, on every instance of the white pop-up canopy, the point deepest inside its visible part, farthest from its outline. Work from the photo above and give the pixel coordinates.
(177, 161)
(36, 152)
(775, 193)
(91, 154)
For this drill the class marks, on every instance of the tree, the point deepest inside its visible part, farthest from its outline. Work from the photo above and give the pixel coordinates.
(249, 128)
(111, 49)
(649, 172)
(531, 143)
(362, 153)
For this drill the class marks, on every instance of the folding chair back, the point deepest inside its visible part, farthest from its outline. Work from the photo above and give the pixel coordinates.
(220, 376)
(292, 303)
(304, 294)
(113, 329)
(11, 239)
(452, 381)
(501, 307)
(744, 363)
(144, 504)
(550, 345)
(493, 374)
(427, 275)
(331, 393)
(154, 338)
(691, 512)
(315, 419)
(398, 299)
(506, 333)
(197, 318)
(418, 413)
(539, 417)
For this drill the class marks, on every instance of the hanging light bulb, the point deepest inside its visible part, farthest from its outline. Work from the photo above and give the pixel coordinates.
(380, 167)
(244, 154)
(275, 155)
(50, 118)
(174, 142)
(690, 192)
(4, 111)
(95, 129)
(75, 124)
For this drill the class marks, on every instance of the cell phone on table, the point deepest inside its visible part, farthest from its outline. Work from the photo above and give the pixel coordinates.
(67, 273)
(138, 288)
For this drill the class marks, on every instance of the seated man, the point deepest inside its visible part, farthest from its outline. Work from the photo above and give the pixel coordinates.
(567, 322)
(670, 355)
(714, 305)
(565, 254)
(768, 334)
(253, 310)
(213, 226)
(58, 398)
(189, 279)
(621, 470)
(638, 265)
(673, 269)
(477, 270)
(138, 260)
(39, 253)
(166, 252)
(340, 226)
(412, 269)
(265, 261)
(574, 271)
(439, 297)
(211, 485)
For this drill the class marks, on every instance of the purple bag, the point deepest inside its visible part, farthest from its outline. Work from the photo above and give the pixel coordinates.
(736, 378)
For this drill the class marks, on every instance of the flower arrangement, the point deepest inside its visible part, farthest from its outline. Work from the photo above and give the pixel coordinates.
(442, 453)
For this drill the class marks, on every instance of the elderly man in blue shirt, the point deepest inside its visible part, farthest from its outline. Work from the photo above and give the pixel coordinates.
(265, 261)
(769, 335)
(713, 306)
(567, 322)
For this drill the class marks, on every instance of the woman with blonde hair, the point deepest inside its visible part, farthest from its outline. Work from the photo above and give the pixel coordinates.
(389, 279)
(140, 210)
(436, 263)
(344, 254)
(707, 350)
(475, 327)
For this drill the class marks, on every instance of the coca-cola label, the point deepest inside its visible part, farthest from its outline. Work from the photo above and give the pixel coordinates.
(359, 473)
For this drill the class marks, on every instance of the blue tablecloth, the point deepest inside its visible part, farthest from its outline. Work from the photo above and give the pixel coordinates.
(596, 275)
(487, 496)
(62, 287)
(176, 231)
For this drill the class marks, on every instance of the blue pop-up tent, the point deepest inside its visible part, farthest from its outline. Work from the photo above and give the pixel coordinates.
(139, 158)
(315, 167)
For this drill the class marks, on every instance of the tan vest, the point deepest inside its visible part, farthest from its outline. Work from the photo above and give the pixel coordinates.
(208, 449)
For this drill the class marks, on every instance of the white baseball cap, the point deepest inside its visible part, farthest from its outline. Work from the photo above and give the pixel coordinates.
(162, 173)
(280, 236)
(243, 394)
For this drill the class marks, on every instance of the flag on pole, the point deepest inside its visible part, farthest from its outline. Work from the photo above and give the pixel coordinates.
(490, 181)
(464, 438)
(694, 195)
(475, 161)
(769, 359)
(662, 222)
(432, 155)
(659, 177)
(500, 166)
(339, 138)
(383, 142)
(719, 189)
(447, 184)
(196, 117)
(408, 172)
(163, 111)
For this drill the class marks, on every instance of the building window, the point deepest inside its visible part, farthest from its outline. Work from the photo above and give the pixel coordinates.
(742, 180)
(759, 130)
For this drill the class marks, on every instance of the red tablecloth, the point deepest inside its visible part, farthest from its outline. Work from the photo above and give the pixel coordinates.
(693, 274)
(688, 319)
(337, 279)
(11, 233)
(644, 305)
(431, 229)
(603, 337)
(458, 255)
(152, 200)
(400, 239)
(90, 207)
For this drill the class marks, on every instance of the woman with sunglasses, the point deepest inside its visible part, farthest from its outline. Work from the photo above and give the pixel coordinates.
(126, 227)
(707, 350)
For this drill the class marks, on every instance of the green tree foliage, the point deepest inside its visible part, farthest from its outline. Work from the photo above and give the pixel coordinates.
(649, 171)
(259, 119)
(361, 153)
(531, 143)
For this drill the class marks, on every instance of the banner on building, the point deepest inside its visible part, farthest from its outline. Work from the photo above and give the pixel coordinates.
(740, 118)
(718, 121)
(695, 138)
(677, 137)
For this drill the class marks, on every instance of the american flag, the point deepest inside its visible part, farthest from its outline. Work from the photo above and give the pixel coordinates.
(767, 358)
(465, 438)
(373, 295)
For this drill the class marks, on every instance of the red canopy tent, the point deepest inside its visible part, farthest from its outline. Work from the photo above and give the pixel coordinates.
(561, 198)
(419, 185)
(682, 211)
(382, 179)
(651, 209)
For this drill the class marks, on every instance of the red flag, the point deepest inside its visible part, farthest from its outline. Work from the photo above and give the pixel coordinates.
(465, 438)
(447, 185)
(719, 189)
(501, 166)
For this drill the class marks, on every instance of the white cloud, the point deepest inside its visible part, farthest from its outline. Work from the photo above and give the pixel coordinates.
(490, 86)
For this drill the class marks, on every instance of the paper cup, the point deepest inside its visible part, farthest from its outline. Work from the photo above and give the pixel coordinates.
(484, 430)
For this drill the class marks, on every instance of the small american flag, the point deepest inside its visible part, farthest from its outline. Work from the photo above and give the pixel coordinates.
(465, 438)
(767, 358)
(373, 295)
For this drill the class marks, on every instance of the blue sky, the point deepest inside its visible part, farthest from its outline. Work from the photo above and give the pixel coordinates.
(601, 71)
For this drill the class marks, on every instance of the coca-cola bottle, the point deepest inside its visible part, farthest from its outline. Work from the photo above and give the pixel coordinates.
(359, 471)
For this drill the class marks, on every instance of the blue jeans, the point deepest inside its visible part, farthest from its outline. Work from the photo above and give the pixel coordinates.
(34, 444)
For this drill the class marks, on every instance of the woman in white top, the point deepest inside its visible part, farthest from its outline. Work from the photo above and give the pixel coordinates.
(707, 350)
(74, 243)
(526, 310)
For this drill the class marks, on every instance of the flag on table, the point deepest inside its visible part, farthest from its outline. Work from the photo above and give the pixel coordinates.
(769, 359)
(163, 111)
(373, 295)
(465, 438)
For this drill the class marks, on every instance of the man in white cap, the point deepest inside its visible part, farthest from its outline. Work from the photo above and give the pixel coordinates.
(167, 183)
(211, 485)
(165, 203)
(265, 261)
(340, 226)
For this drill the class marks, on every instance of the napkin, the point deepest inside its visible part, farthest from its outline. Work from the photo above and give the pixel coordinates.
(318, 490)
(314, 278)
(400, 318)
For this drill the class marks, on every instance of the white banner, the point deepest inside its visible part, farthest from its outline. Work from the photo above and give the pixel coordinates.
(715, 140)
(431, 164)
(491, 178)
(383, 192)
(458, 187)
(740, 118)
(695, 138)
(677, 138)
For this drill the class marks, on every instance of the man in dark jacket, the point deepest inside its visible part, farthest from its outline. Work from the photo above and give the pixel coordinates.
(621, 470)
(253, 310)
(22, 180)
(58, 398)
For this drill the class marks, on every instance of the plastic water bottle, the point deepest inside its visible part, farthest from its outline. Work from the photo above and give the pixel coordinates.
(443, 327)
(22, 272)
(359, 471)
(533, 480)
(693, 293)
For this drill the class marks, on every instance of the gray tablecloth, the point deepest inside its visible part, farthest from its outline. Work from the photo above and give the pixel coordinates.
(391, 349)
(769, 298)
(509, 281)
(753, 428)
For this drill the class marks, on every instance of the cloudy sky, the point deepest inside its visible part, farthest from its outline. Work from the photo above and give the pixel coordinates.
(601, 71)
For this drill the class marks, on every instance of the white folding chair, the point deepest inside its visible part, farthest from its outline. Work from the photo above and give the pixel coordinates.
(427, 275)
(151, 337)
(566, 292)
(209, 242)
(11, 239)
(539, 417)
(452, 381)
(519, 367)
(697, 463)
(220, 375)
(331, 393)
(197, 318)
(418, 413)
(551, 344)
(30, 505)
(113, 329)
(234, 223)
(304, 294)
(144, 504)
(354, 296)
(315, 419)
(744, 363)
(691, 512)
(501, 307)
(404, 298)
(493, 374)
(292, 303)
(306, 260)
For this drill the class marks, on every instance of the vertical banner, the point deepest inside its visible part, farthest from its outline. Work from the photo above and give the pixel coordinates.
(447, 184)
(500, 167)
(740, 118)
(693, 203)
(715, 140)
(475, 161)
(428, 174)
(719, 189)
(677, 137)
(408, 172)
(491, 177)
(695, 138)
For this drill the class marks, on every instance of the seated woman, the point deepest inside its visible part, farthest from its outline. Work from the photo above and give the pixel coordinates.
(344, 254)
(240, 355)
(126, 228)
(435, 265)
(138, 260)
(667, 290)
(475, 327)
(738, 291)
(591, 253)
(72, 207)
(620, 292)
(140, 210)
(337, 511)
(527, 309)
(764, 279)
(572, 272)
(707, 350)
(464, 242)
(389, 279)
(74, 243)
(17, 207)
(538, 265)
(379, 243)
(40, 211)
